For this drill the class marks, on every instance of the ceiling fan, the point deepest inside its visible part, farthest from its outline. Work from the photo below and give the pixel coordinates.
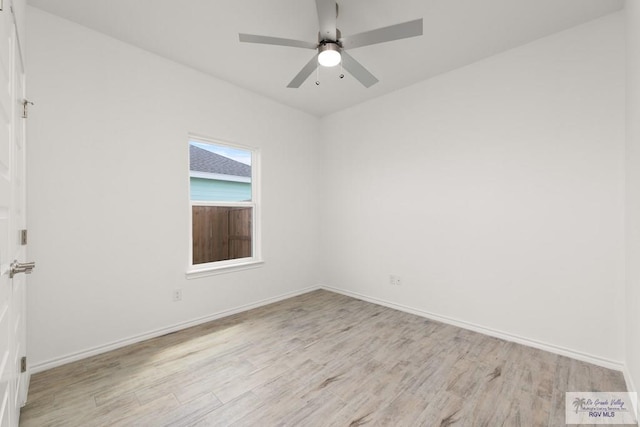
(331, 46)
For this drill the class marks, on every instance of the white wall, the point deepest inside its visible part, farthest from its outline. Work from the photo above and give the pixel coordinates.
(632, 10)
(496, 193)
(108, 190)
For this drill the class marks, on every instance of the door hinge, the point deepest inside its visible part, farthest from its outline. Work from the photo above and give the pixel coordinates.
(23, 364)
(23, 237)
(25, 108)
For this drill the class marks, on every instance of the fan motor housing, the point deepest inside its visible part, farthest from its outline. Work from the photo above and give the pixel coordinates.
(329, 45)
(322, 41)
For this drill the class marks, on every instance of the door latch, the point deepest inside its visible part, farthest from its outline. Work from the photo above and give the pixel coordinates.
(21, 267)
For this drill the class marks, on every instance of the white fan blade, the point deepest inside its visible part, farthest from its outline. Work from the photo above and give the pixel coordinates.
(384, 34)
(304, 73)
(251, 38)
(327, 19)
(357, 70)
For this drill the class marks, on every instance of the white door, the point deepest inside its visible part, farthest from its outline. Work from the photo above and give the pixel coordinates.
(14, 379)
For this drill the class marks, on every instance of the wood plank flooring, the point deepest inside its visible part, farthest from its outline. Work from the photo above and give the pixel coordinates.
(320, 359)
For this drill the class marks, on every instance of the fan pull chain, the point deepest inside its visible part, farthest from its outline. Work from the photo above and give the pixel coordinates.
(341, 75)
(317, 75)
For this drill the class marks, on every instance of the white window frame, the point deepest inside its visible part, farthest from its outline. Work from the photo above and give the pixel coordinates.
(226, 266)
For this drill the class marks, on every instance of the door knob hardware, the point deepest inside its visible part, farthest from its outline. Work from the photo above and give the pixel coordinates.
(21, 267)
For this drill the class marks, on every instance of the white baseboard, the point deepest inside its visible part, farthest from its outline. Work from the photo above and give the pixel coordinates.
(607, 363)
(631, 386)
(629, 380)
(596, 360)
(59, 361)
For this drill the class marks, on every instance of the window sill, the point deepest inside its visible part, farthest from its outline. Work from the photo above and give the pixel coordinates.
(195, 273)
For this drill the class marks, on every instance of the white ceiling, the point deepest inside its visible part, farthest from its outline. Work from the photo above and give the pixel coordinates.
(203, 34)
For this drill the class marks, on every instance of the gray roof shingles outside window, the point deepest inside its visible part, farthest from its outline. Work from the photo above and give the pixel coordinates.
(201, 160)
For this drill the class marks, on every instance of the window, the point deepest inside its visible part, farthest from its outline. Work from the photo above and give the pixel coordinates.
(224, 206)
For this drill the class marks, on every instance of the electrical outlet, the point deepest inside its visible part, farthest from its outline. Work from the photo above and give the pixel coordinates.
(177, 295)
(394, 280)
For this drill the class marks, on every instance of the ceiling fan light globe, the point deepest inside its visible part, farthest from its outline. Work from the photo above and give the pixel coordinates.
(329, 58)
(329, 55)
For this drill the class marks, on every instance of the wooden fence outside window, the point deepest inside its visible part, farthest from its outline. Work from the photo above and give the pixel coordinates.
(221, 233)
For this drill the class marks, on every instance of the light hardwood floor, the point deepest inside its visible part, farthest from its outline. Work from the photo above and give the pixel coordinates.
(320, 359)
